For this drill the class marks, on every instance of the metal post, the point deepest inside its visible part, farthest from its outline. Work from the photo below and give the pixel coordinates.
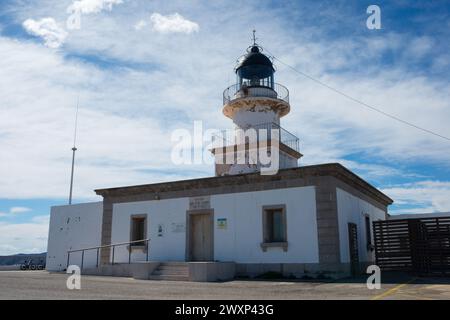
(73, 153)
(98, 249)
(71, 174)
(148, 249)
(68, 258)
(82, 259)
(129, 253)
(113, 254)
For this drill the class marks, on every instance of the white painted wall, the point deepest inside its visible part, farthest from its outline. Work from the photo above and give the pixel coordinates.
(170, 246)
(240, 242)
(73, 227)
(353, 209)
(285, 161)
(244, 118)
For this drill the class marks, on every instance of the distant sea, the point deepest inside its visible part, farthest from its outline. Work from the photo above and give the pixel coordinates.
(21, 257)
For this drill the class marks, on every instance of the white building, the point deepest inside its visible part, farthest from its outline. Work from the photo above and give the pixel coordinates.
(245, 221)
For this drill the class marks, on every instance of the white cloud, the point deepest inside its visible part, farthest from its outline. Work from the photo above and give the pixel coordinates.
(48, 29)
(14, 210)
(41, 219)
(420, 47)
(126, 113)
(428, 195)
(120, 138)
(140, 24)
(92, 6)
(173, 23)
(30, 237)
(54, 35)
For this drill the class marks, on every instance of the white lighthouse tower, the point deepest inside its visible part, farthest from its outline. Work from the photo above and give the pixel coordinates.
(256, 104)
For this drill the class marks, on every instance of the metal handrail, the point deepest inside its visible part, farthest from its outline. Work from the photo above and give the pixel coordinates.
(285, 137)
(113, 245)
(237, 91)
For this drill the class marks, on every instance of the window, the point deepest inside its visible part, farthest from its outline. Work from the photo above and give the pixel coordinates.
(274, 227)
(368, 233)
(138, 229)
(275, 219)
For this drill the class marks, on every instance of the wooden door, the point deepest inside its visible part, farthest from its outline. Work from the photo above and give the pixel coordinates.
(201, 244)
(353, 248)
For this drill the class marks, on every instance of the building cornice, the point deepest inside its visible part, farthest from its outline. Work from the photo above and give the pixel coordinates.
(247, 182)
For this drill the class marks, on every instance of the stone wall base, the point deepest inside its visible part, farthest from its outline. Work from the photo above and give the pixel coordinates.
(294, 270)
(225, 271)
(211, 271)
(135, 270)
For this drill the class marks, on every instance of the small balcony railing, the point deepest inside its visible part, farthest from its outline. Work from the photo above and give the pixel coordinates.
(237, 91)
(223, 138)
(286, 137)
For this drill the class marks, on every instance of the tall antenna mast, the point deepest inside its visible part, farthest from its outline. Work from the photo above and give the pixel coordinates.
(73, 152)
(254, 37)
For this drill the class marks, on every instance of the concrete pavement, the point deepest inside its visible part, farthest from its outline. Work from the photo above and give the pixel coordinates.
(44, 285)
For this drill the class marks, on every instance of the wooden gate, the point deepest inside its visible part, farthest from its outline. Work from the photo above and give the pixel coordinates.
(420, 245)
(353, 248)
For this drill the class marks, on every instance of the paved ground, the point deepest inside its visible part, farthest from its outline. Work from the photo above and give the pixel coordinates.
(42, 285)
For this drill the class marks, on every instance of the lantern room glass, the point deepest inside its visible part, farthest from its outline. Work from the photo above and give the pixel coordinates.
(255, 76)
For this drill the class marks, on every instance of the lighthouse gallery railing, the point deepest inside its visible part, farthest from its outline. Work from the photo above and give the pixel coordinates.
(237, 91)
(227, 137)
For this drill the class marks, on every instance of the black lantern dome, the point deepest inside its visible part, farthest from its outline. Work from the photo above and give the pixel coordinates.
(255, 69)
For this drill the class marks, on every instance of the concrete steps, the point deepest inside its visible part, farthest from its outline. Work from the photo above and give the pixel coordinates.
(173, 271)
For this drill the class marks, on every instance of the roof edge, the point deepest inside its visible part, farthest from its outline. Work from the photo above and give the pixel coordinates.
(336, 170)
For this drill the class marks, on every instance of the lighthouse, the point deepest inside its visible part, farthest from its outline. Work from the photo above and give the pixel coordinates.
(256, 104)
(255, 216)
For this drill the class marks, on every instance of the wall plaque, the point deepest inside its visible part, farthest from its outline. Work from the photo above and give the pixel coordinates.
(178, 227)
(196, 203)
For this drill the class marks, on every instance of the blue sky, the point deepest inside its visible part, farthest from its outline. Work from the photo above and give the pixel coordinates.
(142, 69)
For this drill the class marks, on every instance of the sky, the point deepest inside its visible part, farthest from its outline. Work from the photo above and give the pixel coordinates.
(141, 69)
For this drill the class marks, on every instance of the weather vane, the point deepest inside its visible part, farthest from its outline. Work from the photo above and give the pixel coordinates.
(254, 37)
